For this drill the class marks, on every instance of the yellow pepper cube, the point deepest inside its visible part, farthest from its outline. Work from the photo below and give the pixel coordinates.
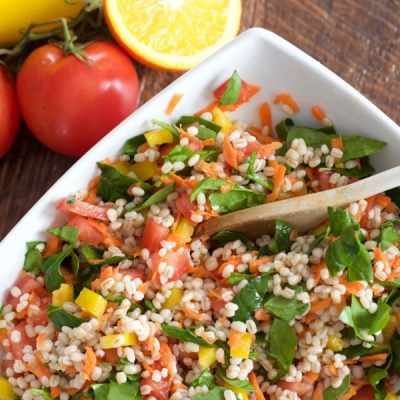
(119, 340)
(207, 356)
(144, 170)
(185, 230)
(243, 394)
(123, 167)
(6, 390)
(391, 396)
(335, 343)
(157, 137)
(220, 118)
(91, 302)
(174, 299)
(240, 344)
(389, 329)
(62, 295)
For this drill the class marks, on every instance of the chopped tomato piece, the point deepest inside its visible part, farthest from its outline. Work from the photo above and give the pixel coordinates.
(133, 273)
(111, 356)
(195, 144)
(83, 208)
(184, 205)
(87, 232)
(242, 154)
(17, 348)
(153, 234)
(323, 178)
(247, 91)
(179, 260)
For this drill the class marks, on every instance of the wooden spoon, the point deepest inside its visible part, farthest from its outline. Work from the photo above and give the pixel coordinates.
(303, 212)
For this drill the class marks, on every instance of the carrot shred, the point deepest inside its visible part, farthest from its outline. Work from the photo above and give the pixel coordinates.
(277, 179)
(258, 391)
(351, 392)
(185, 183)
(262, 315)
(209, 169)
(55, 392)
(320, 305)
(40, 339)
(230, 153)
(90, 362)
(265, 115)
(143, 147)
(318, 113)
(337, 142)
(175, 99)
(209, 142)
(108, 238)
(94, 182)
(333, 370)
(91, 196)
(253, 265)
(311, 377)
(263, 139)
(318, 392)
(373, 358)
(52, 246)
(193, 314)
(267, 150)
(287, 99)
(207, 108)
(39, 369)
(352, 287)
(380, 256)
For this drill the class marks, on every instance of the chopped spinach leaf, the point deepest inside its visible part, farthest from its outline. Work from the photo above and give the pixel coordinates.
(376, 375)
(366, 170)
(129, 390)
(224, 237)
(339, 220)
(360, 146)
(131, 145)
(206, 133)
(389, 233)
(237, 383)
(359, 350)
(332, 393)
(283, 241)
(75, 263)
(205, 378)
(33, 258)
(252, 175)
(312, 137)
(319, 239)
(191, 119)
(216, 393)
(67, 233)
(184, 334)
(209, 155)
(205, 185)
(61, 318)
(395, 346)
(157, 197)
(41, 392)
(232, 90)
(282, 129)
(235, 278)
(90, 253)
(179, 153)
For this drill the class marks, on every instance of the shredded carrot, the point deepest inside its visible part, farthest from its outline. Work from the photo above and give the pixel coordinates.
(52, 246)
(380, 256)
(351, 392)
(90, 362)
(168, 359)
(209, 169)
(193, 314)
(373, 358)
(201, 272)
(385, 202)
(235, 339)
(258, 391)
(94, 182)
(364, 219)
(108, 238)
(185, 183)
(333, 370)
(55, 392)
(337, 142)
(263, 139)
(209, 142)
(39, 369)
(91, 196)
(229, 152)
(317, 112)
(316, 271)
(227, 188)
(173, 103)
(262, 315)
(277, 179)
(40, 341)
(320, 305)
(287, 99)
(253, 265)
(143, 147)
(311, 377)
(207, 108)
(265, 115)
(267, 150)
(318, 392)
(352, 287)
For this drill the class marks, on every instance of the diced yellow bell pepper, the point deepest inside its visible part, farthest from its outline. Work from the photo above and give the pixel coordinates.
(6, 390)
(335, 343)
(91, 302)
(207, 356)
(123, 167)
(391, 396)
(185, 230)
(174, 299)
(157, 137)
(240, 392)
(119, 340)
(220, 118)
(144, 170)
(63, 294)
(240, 344)
(391, 326)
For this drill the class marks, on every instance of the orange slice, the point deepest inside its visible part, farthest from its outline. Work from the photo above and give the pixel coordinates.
(172, 35)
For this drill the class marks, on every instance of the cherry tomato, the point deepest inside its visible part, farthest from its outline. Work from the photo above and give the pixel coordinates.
(83, 208)
(301, 388)
(17, 348)
(69, 105)
(87, 233)
(9, 111)
(184, 205)
(153, 233)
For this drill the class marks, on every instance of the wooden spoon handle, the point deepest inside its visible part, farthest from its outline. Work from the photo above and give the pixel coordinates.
(303, 212)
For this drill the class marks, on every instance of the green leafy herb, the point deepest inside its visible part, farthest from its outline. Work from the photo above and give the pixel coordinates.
(67, 233)
(157, 197)
(205, 378)
(131, 145)
(362, 321)
(75, 263)
(184, 334)
(170, 128)
(395, 346)
(366, 170)
(282, 242)
(332, 393)
(359, 350)
(235, 278)
(205, 185)
(359, 146)
(129, 390)
(209, 155)
(339, 220)
(319, 239)
(236, 199)
(232, 90)
(389, 233)
(149, 305)
(312, 137)
(179, 153)
(206, 133)
(224, 237)
(61, 318)
(40, 392)
(376, 375)
(90, 252)
(33, 258)
(216, 393)
(191, 119)
(250, 298)
(237, 383)
(114, 185)
(282, 129)
(252, 175)
(282, 345)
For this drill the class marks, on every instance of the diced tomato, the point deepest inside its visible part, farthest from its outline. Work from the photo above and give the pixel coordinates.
(40, 317)
(301, 388)
(242, 154)
(166, 149)
(365, 393)
(87, 232)
(111, 356)
(217, 301)
(27, 284)
(195, 144)
(247, 91)
(184, 205)
(153, 234)
(179, 260)
(84, 209)
(133, 273)
(17, 348)
(323, 177)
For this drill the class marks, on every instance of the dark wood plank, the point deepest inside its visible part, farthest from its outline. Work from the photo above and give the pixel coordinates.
(359, 40)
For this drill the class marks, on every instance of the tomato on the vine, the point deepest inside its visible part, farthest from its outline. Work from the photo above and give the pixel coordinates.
(9, 111)
(70, 104)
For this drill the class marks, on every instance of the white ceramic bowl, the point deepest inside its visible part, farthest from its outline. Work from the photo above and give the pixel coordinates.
(260, 57)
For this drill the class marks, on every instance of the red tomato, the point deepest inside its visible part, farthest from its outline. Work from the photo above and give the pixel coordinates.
(323, 177)
(301, 388)
(247, 91)
(195, 144)
(217, 302)
(111, 356)
(27, 284)
(241, 155)
(133, 273)
(17, 348)
(42, 316)
(83, 208)
(178, 259)
(365, 393)
(153, 234)
(87, 233)
(69, 105)
(184, 205)
(9, 111)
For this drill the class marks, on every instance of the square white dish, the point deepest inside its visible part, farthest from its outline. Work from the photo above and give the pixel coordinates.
(260, 57)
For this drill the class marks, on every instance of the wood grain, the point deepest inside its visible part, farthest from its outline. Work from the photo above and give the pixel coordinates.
(359, 40)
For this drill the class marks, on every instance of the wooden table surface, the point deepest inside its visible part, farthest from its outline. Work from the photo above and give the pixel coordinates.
(357, 39)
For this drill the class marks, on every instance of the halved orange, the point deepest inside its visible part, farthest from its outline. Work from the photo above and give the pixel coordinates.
(172, 35)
